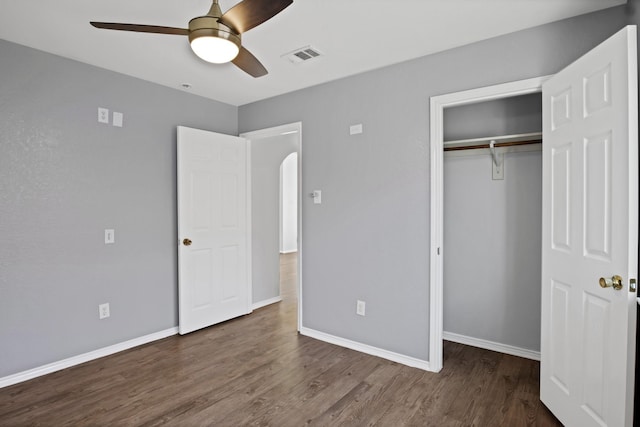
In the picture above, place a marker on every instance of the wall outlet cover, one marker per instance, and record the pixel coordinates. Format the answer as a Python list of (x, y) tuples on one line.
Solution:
[(103, 115), (355, 129), (104, 311)]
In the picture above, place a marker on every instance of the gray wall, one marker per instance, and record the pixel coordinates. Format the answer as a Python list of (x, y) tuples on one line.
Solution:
[(369, 239), (267, 155), (506, 116), (64, 178), (492, 241)]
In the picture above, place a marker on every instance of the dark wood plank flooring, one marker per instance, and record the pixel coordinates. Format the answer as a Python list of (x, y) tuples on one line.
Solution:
[(256, 370)]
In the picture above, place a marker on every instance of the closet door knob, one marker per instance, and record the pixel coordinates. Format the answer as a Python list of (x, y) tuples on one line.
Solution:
[(187, 242), (615, 282)]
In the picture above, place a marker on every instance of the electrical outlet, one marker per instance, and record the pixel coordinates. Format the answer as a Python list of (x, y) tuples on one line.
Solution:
[(360, 307), (103, 115), (103, 311)]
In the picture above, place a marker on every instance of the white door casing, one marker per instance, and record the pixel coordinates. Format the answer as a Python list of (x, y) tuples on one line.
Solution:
[(590, 230), (290, 128), (214, 277), (438, 104)]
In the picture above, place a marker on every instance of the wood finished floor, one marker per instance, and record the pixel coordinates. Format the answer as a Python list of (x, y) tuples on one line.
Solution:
[(256, 370)]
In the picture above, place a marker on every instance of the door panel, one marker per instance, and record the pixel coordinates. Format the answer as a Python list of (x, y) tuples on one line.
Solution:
[(561, 197), (214, 277), (559, 355), (597, 196), (590, 231)]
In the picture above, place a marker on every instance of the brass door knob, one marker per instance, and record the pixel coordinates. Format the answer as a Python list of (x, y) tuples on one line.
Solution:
[(615, 282), (187, 242)]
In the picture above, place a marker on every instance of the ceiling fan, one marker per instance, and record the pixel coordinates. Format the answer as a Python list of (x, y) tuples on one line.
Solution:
[(216, 37)]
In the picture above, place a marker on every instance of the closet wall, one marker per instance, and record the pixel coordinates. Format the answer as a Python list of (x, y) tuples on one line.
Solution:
[(492, 228)]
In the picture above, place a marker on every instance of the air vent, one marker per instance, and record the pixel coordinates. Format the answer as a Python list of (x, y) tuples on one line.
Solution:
[(303, 54)]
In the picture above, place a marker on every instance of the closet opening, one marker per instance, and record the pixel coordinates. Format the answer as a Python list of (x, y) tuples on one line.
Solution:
[(485, 261), (492, 206)]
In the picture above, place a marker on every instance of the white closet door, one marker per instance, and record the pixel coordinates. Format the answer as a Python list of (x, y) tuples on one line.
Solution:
[(590, 231)]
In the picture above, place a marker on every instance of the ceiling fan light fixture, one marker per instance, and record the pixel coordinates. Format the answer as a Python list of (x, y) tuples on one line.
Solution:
[(212, 41), (214, 49), (216, 36)]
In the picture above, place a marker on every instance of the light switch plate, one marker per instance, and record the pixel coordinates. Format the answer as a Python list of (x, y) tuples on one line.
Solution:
[(317, 197), (117, 119), (109, 236), (355, 129), (360, 307)]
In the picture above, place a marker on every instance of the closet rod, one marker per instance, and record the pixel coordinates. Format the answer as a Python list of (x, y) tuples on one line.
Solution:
[(496, 145)]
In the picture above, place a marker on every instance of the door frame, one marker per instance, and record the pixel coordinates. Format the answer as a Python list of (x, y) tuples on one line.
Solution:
[(285, 129), (436, 124)]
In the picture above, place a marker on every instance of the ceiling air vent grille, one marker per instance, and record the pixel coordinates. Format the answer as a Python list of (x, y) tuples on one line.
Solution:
[(303, 54)]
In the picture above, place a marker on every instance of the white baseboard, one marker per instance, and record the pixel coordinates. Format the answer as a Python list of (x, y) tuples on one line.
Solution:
[(367, 349), (263, 303), (490, 345), (86, 357)]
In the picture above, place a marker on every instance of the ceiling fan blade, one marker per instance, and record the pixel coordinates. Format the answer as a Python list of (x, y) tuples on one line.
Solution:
[(249, 63), (251, 13), (141, 28)]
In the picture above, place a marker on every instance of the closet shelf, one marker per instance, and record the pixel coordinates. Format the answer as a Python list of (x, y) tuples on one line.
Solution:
[(498, 141)]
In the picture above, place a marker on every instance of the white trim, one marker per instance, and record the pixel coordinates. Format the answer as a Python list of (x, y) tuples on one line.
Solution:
[(289, 252), (249, 234), (367, 349), (491, 345), (85, 357), (266, 302), (436, 233), (437, 106), (300, 202), (275, 131)]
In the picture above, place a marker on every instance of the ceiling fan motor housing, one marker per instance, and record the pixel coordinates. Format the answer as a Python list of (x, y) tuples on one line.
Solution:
[(208, 26)]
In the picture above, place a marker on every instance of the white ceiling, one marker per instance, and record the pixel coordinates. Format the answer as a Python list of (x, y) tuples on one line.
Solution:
[(354, 36)]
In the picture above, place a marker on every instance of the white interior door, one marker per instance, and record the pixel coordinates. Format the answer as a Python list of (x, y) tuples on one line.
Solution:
[(213, 228), (590, 230)]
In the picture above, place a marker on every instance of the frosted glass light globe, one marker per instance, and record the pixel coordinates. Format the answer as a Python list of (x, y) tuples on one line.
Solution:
[(214, 49)]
